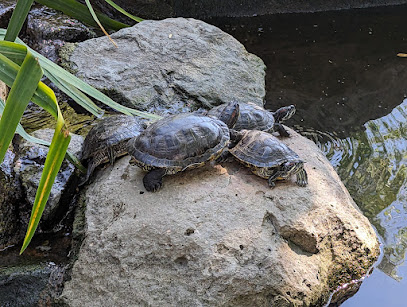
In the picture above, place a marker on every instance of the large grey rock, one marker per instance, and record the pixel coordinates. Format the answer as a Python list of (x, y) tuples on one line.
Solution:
[(219, 236), (160, 63)]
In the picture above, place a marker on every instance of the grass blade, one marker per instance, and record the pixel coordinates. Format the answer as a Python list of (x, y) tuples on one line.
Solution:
[(43, 96), (17, 19), (118, 8), (61, 74), (92, 12), (55, 156), (14, 52), (75, 94), (20, 95), (79, 11), (20, 130)]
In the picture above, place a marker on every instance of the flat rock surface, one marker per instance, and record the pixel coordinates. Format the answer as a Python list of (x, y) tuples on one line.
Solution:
[(161, 63), (219, 236)]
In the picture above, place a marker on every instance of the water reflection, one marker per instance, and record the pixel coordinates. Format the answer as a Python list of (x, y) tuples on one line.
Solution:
[(339, 68), (372, 164)]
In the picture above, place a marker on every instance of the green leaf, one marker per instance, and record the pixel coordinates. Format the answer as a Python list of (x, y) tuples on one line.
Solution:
[(79, 97), (20, 94), (53, 162), (79, 11), (61, 74), (20, 130), (17, 19), (14, 52), (43, 96), (118, 8), (92, 12)]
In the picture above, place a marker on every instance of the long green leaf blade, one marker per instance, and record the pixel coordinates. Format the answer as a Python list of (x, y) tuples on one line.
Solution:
[(60, 73), (75, 94), (79, 11), (17, 19), (14, 52), (55, 156), (20, 94), (20, 130), (118, 8), (43, 95), (92, 12)]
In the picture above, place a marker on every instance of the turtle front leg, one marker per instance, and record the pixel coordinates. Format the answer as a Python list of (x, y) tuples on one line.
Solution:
[(153, 180), (281, 130), (302, 178), (273, 177)]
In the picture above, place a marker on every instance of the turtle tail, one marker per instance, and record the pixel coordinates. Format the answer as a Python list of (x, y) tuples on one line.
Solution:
[(91, 168)]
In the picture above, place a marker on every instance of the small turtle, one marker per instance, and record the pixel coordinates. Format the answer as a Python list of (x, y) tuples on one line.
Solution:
[(254, 117), (267, 156), (180, 142), (108, 140)]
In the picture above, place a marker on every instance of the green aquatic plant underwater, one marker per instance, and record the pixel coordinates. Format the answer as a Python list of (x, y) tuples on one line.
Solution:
[(21, 69)]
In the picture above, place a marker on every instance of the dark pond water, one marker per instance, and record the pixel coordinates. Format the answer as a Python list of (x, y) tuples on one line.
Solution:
[(342, 71)]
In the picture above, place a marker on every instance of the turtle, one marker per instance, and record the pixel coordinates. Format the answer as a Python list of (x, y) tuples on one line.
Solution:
[(180, 142), (267, 156), (108, 140), (254, 117)]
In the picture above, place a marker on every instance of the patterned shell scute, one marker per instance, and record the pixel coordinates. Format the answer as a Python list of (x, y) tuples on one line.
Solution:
[(180, 141), (262, 149), (109, 132), (252, 117)]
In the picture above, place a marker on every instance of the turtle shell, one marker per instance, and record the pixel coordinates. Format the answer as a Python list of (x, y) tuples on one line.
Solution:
[(110, 134), (262, 150), (178, 142), (252, 117)]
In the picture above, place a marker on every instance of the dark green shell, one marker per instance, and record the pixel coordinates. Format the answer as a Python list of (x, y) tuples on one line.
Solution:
[(262, 150), (252, 117), (178, 142), (108, 140)]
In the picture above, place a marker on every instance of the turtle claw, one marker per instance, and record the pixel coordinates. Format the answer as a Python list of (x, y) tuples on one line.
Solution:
[(153, 180), (302, 178), (153, 186)]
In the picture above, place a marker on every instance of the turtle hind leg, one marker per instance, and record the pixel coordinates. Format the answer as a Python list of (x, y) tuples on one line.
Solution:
[(153, 180), (302, 178), (281, 130)]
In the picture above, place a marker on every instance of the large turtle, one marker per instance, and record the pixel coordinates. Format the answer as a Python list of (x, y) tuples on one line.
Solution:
[(254, 117), (108, 140), (267, 156), (180, 142)]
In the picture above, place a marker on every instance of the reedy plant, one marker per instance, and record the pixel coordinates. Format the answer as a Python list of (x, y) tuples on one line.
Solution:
[(21, 68)]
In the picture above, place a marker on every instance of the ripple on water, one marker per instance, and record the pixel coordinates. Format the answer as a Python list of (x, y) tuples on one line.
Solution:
[(372, 164)]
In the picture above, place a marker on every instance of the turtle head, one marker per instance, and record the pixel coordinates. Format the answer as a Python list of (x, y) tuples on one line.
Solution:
[(284, 113), (230, 114), (291, 168)]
